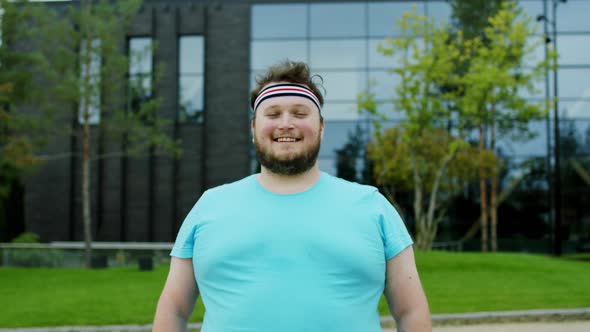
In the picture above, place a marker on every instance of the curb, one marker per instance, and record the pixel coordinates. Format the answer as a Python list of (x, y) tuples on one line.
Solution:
[(437, 319), (544, 315)]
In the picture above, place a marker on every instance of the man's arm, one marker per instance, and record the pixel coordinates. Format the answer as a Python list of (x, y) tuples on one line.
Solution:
[(178, 297), (404, 294)]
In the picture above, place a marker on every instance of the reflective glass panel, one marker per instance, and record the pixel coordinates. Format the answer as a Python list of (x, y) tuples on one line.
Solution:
[(379, 61), (384, 16), (327, 165), (340, 111), (535, 146), (441, 12), (575, 109), (267, 53), (338, 20), (537, 54), (572, 16), (191, 78), (538, 89), (390, 111), (338, 54), (191, 98), (574, 82), (575, 137), (574, 49), (343, 86), (383, 84), (140, 54), (335, 136), (191, 50), (534, 8), (279, 21)]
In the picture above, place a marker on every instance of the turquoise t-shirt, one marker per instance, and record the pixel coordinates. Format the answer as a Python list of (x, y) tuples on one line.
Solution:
[(312, 261)]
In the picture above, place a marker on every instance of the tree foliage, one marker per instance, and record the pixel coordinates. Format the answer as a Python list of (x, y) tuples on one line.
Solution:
[(452, 83), (71, 75)]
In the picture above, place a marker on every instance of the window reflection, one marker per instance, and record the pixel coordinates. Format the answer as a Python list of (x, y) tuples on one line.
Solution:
[(575, 138), (337, 132), (575, 109), (328, 165), (279, 21), (534, 8), (340, 111), (538, 53), (390, 111), (572, 16), (574, 82), (441, 12), (191, 97), (535, 146), (537, 91), (383, 84), (343, 86), (191, 79), (140, 72), (266, 53), (378, 60), (338, 20), (383, 16), (140, 53), (338, 54), (574, 49)]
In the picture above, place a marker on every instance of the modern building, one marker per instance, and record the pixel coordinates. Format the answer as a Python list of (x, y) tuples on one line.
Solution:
[(214, 49)]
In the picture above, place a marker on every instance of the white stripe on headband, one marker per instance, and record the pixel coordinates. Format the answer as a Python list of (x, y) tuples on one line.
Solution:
[(280, 90)]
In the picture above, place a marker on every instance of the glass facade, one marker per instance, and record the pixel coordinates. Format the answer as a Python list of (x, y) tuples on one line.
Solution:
[(140, 71), (191, 75), (339, 41)]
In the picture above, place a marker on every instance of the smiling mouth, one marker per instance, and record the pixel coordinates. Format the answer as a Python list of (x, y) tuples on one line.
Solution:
[(287, 139)]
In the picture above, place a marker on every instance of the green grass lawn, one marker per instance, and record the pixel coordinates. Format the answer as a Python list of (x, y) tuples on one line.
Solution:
[(454, 282)]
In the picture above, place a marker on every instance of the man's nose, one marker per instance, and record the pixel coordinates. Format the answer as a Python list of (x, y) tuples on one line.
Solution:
[(286, 121)]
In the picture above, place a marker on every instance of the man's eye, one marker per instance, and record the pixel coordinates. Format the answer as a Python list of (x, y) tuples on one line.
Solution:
[(300, 114), (272, 115)]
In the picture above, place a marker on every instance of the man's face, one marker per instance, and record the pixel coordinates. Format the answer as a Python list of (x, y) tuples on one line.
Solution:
[(287, 134)]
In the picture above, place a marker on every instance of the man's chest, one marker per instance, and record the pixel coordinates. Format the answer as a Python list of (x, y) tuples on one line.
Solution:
[(271, 243)]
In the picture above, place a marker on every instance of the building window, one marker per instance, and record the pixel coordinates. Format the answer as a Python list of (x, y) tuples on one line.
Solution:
[(140, 72), (90, 63), (191, 72)]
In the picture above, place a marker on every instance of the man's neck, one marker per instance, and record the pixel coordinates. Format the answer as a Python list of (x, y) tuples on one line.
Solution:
[(288, 184)]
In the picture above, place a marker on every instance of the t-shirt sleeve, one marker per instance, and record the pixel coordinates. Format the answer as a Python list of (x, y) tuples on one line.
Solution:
[(395, 234), (185, 240)]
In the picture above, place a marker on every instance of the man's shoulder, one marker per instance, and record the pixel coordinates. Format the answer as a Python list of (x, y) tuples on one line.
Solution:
[(349, 187), (231, 187)]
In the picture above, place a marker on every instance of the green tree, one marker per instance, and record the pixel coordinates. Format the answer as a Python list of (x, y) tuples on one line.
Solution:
[(80, 63), (434, 165), (472, 16), (422, 153), (500, 69)]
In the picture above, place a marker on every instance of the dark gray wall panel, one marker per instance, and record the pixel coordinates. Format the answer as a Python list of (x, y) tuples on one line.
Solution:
[(226, 92)]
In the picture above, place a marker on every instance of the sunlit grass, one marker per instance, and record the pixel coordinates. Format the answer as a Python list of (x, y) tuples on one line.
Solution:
[(454, 282)]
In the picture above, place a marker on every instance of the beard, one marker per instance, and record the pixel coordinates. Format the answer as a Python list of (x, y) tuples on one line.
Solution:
[(292, 165)]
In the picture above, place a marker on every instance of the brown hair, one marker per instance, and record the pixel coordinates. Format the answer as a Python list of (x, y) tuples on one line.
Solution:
[(288, 71)]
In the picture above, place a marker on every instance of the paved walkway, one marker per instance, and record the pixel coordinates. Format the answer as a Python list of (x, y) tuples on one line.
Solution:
[(558, 320), (516, 327)]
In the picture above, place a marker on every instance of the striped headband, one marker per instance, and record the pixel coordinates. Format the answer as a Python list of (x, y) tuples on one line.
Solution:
[(281, 90)]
